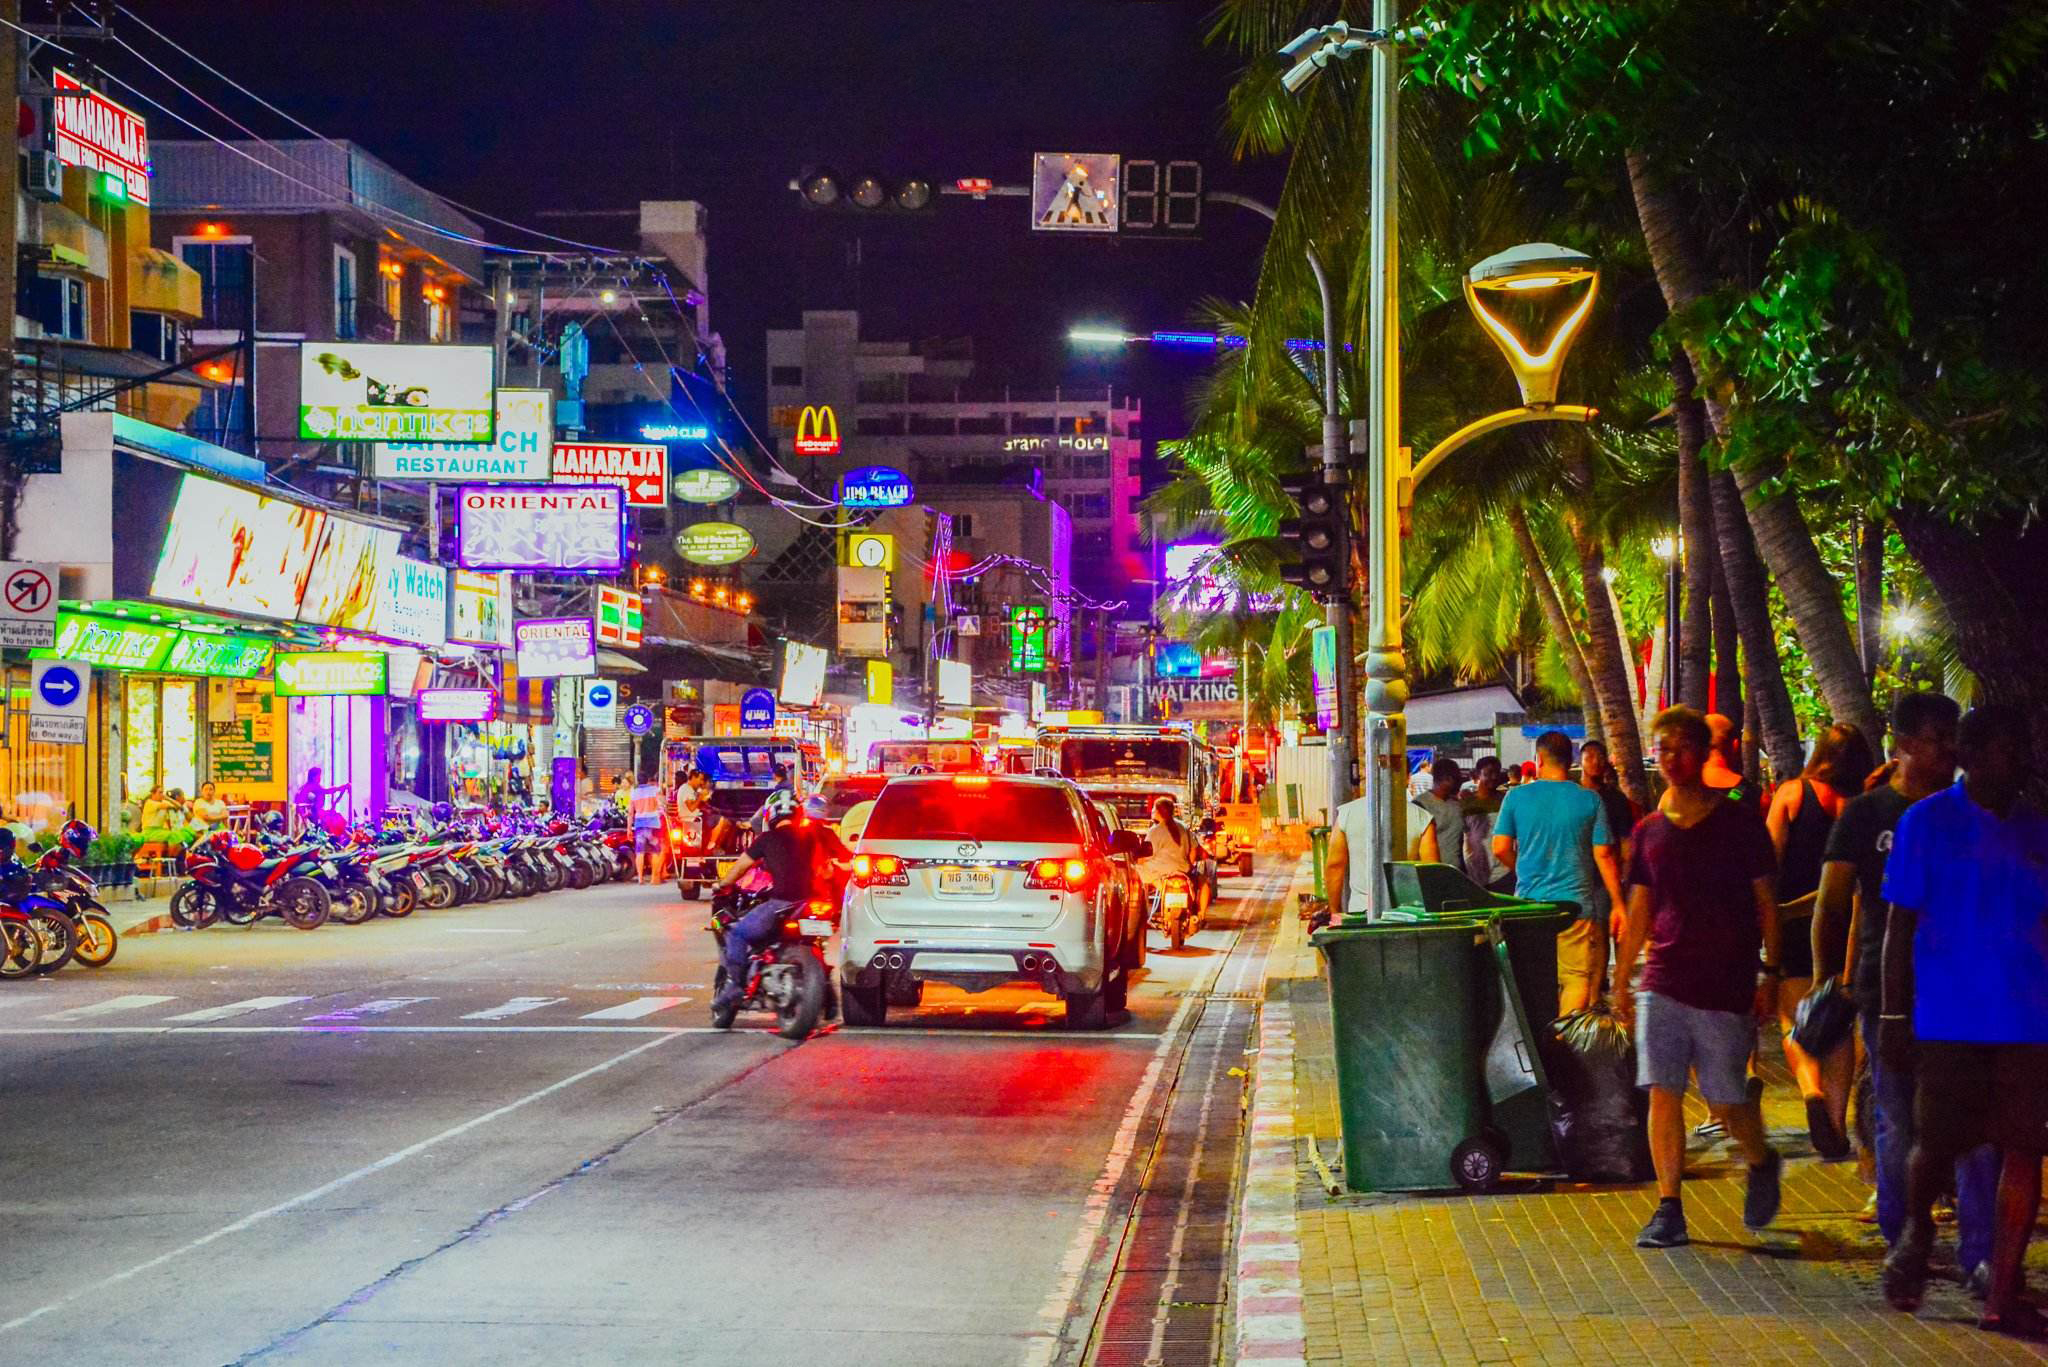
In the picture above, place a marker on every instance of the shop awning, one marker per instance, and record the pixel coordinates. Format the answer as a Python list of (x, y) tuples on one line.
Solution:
[(612, 662)]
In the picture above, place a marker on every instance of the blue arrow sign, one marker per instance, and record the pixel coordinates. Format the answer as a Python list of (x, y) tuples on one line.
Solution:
[(59, 685), (600, 695)]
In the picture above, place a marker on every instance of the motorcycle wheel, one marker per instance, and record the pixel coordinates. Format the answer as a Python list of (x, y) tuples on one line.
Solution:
[(59, 936), (489, 887), (721, 1015), (304, 904), (355, 905), (1177, 929), (405, 896), (21, 949), (439, 892), (194, 906), (234, 910), (96, 941), (798, 1013), (553, 875), (622, 867), (515, 881), (579, 875)]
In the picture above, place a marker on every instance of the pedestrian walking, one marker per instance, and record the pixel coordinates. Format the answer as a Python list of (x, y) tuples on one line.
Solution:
[(1724, 764), (1438, 820), (1802, 814), (1923, 728), (1702, 897), (1596, 772), (1965, 1001), (1481, 806), (1553, 836)]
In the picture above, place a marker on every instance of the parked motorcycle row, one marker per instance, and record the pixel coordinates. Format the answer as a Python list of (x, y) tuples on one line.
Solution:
[(51, 915), (352, 873)]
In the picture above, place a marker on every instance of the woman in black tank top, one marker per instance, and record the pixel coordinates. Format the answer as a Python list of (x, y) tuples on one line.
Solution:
[(1802, 814)]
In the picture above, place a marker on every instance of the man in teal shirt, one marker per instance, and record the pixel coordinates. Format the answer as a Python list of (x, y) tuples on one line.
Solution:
[(1554, 835)]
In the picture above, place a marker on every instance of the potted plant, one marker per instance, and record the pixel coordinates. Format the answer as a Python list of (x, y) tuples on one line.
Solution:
[(110, 859)]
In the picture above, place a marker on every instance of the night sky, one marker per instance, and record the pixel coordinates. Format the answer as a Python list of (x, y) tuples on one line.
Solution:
[(521, 107)]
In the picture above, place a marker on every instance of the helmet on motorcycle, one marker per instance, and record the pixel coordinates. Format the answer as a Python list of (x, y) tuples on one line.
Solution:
[(444, 811), (780, 807), (220, 842), (76, 837), (816, 808), (273, 822)]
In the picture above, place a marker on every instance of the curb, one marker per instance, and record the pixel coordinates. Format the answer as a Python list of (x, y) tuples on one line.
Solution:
[(155, 924), (1268, 1289)]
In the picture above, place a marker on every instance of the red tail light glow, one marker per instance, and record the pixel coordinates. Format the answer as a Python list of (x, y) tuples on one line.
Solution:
[(886, 870), (1074, 875), (970, 780)]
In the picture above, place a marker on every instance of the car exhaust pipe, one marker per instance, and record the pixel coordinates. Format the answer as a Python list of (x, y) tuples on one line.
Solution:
[(1029, 963), (895, 961)]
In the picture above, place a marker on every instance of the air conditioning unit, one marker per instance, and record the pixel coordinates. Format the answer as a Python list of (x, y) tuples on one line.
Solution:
[(45, 176)]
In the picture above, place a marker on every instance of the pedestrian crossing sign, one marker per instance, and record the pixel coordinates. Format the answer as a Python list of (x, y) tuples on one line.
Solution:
[(1076, 192)]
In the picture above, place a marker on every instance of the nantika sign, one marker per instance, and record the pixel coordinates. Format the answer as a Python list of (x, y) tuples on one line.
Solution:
[(874, 486)]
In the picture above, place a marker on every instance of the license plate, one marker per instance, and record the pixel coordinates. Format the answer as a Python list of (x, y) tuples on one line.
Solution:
[(967, 882), (811, 925)]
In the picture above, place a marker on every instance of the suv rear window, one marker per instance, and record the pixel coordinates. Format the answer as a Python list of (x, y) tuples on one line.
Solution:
[(1032, 812)]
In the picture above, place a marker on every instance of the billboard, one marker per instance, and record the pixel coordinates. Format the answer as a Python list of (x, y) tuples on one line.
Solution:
[(523, 447), (331, 673), (480, 608), (803, 674), (619, 617), (956, 683), (1075, 192), (817, 431), (236, 550), (348, 575), (92, 131), (874, 486), (640, 468), (541, 527), (1322, 668), (714, 543), (555, 647), (380, 391), (1197, 580), (1030, 625), (705, 486), (414, 604), (456, 704), (218, 655)]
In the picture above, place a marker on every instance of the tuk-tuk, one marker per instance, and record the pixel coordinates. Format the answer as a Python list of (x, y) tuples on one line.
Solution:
[(742, 774)]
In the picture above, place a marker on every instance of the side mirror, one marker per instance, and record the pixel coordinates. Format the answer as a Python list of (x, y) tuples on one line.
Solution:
[(1127, 845)]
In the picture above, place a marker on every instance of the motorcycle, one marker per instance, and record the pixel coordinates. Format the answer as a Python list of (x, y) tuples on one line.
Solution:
[(1171, 908), (240, 884), (787, 975), (21, 949), (95, 941)]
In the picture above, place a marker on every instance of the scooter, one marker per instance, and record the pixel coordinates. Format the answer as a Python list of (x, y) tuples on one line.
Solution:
[(1170, 907)]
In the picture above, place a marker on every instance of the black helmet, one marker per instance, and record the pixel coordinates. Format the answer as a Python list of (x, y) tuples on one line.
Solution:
[(77, 837), (274, 822)]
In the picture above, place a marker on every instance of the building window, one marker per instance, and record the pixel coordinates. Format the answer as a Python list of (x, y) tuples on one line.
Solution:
[(218, 418), (440, 314), (344, 293), (60, 307), (393, 276), (787, 375), (226, 279), (963, 524), (153, 335), (1088, 506)]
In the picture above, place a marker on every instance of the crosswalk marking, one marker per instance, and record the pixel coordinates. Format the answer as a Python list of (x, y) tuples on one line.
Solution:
[(382, 1006), (240, 1008), (634, 1009), (132, 1002), (518, 1006)]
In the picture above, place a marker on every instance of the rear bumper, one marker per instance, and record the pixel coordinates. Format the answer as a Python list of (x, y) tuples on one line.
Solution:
[(977, 967)]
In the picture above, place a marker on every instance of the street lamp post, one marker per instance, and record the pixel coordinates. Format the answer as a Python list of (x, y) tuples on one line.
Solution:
[(1537, 267)]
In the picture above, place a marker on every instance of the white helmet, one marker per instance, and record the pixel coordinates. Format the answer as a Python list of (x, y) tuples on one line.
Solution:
[(780, 807)]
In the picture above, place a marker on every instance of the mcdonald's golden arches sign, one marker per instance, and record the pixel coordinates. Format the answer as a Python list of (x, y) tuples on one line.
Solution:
[(817, 431)]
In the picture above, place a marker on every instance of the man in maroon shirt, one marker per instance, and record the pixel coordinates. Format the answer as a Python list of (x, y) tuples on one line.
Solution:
[(1702, 893)]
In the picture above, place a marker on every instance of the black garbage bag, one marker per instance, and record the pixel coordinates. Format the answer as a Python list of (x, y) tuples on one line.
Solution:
[(1602, 1130), (1826, 1015)]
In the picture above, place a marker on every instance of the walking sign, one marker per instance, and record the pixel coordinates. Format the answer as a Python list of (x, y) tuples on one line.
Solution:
[(28, 605), (57, 695), (1075, 192)]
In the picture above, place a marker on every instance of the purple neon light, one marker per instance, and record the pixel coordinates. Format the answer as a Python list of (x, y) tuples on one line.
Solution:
[(425, 700), (511, 538)]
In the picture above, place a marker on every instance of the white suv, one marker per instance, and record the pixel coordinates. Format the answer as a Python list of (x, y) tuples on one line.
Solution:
[(984, 879)]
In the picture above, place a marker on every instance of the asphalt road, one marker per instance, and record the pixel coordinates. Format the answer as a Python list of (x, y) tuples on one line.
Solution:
[(506, 1134)]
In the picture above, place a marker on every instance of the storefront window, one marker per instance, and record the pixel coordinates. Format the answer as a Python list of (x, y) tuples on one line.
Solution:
[(162, 718), (180, 730), (138, 771)]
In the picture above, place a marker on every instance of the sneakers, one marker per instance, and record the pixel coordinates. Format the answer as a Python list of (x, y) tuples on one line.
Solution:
[(1710, 1128), (1666, 1228), (1868, 1215), (1828, 1141), (1760, 1198), (1978, 1283)]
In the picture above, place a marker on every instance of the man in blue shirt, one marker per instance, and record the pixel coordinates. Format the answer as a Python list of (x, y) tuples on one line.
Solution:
[(1554, 836), (1966, 991)]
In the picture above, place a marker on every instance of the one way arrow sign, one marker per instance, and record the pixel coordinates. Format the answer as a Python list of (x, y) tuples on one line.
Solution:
[(57, 696)]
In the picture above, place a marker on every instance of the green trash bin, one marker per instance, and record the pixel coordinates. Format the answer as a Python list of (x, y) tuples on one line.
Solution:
[(1319, 855), (1408, 1017)]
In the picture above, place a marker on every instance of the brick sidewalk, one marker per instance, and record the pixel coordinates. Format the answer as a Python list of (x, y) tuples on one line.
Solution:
[(1547, 1272)]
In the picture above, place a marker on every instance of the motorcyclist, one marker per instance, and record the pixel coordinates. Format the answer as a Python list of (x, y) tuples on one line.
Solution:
[(790, 859), (1171, 848)]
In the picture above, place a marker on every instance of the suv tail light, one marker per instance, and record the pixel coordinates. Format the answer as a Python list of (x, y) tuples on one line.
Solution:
[(879, 870), (1073, 875)]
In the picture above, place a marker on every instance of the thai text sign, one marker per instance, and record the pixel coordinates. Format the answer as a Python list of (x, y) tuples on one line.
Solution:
[(640, 468), (541, 527), (326, 673), (94, 132), (456, 704), (378, 391)]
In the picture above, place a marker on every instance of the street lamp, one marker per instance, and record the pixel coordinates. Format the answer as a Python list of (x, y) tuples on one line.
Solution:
[(1531, 272)]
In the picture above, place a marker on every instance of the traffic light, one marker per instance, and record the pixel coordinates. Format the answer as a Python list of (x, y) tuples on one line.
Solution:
[(1317, 534), (823, 188)]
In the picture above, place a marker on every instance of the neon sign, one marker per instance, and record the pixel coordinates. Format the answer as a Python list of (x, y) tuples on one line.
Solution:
[(874, 486), (817, 431)]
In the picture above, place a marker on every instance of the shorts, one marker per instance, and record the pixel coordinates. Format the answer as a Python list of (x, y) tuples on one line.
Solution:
[(1795, 947), (1969, 1094), (1673, 1039), (1582, 953), (646, 839)]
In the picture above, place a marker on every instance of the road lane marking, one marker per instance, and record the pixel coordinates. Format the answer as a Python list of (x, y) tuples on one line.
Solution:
[(240, 1008), (634, 1009), (382, 1006), (485, 930), (389, 1160), (135, 1001), (518, 1006)]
